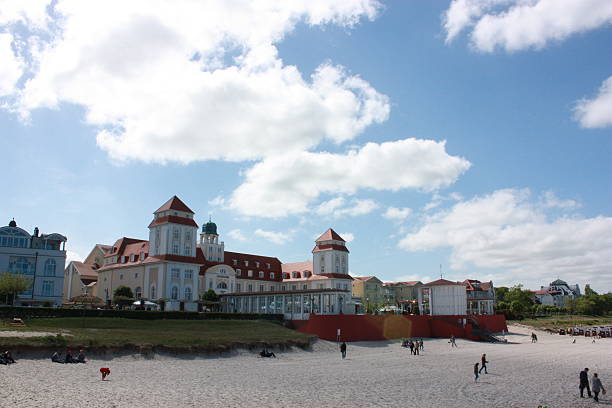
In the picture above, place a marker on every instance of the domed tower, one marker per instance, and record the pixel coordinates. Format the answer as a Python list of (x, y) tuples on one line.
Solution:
[(212, 249)]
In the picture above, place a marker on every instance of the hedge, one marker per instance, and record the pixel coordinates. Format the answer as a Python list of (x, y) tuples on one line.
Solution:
[(34, 312)]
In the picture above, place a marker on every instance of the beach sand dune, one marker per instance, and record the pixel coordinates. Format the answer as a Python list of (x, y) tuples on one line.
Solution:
[(375, 374)]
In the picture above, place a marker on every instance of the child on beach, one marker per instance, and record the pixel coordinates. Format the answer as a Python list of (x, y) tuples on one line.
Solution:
[(105, 371)]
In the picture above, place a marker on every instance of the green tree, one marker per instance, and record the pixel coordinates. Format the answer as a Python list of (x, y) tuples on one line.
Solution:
[(124, 291), (12, 284), (588, 291), (210, 296), (517, 294), (500, 293)]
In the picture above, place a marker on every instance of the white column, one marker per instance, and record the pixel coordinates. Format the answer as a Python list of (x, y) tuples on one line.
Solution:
[(145, 292)]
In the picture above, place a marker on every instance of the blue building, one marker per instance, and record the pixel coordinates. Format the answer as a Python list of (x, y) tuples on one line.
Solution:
[(41, 257)]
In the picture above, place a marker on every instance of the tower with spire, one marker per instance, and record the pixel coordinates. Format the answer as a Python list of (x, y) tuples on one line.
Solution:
[(330, 254), (212, 249)]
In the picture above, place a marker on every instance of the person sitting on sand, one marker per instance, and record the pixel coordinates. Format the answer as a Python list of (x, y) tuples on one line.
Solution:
[(56, 358), (266, 353), (6, 356), (69, 359), (81, 357)]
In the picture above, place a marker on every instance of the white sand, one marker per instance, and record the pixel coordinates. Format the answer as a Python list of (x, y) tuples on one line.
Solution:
[(375, 374), (15, 333)]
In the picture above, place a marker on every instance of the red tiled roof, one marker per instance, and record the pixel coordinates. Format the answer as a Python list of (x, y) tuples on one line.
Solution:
[(297, 267), (329, 247), (441, 282), (319, 277), (275, 265), (364, 278), (174, 203), (330, 235), (173, 219), (86, 271), (120, 245), (413, 283)]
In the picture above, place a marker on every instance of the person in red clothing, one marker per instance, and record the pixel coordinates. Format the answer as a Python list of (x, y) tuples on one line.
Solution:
[(105, 372)]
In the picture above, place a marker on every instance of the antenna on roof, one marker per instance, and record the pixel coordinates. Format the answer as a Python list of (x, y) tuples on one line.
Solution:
[(440, 271)]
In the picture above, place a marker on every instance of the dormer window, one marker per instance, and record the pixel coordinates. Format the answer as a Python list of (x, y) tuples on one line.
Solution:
[(235, 261), (271, 275), (246, 263), (250, 273), (133, 258), (238, 271), (261, 274), (142, 256), (257, 264), (124, 259), (268, 265)]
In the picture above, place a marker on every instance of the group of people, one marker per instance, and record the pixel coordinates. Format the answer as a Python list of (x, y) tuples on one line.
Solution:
[(265, 353), (414, 346), (6, 358), (69, 359), (483, 366), (596, 385)]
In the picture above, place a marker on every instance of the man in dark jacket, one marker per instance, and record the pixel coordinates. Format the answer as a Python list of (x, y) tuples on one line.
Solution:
[(584, 383), (343, 350)]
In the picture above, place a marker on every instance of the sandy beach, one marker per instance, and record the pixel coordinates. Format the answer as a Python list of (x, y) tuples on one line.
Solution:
[(375, 374)]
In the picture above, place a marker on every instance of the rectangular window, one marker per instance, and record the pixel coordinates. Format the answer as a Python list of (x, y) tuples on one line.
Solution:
[(305, 287), (257, 264), (238, 271), (246, 263), (187, 236), (261, 275), (48, 288), (175, 273), (235, 261), (250, 288), (293, 287), (238, 287), (250, 273), (268, 265), (261, 288), (271, 275), (283, 287), (175, 249), (189, 274), (187, 250)]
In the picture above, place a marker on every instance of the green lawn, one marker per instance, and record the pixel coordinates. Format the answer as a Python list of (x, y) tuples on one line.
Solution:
[(169, 334), (564, 321)]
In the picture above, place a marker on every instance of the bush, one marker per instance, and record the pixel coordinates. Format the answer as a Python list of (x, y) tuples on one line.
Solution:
[(34, 312)]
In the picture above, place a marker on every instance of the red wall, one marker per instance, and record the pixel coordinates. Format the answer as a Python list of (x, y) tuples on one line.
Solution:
[(383, 327)]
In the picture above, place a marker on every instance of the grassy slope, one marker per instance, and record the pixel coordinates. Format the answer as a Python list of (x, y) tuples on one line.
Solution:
[(556, 322), (172, 334)]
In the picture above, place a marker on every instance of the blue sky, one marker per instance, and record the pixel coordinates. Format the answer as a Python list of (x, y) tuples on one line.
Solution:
[(430, 133)]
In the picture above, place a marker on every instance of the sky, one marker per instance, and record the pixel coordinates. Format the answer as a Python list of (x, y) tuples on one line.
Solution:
[(464, 138)]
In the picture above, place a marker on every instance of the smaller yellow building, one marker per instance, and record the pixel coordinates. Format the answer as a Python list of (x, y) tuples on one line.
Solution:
[(370, 290)]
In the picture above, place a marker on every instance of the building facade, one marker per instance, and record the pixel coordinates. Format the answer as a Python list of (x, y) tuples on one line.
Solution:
[(369, 289), (480, 297), (40, 257), (81, 278), (443, 297), (557, 293)]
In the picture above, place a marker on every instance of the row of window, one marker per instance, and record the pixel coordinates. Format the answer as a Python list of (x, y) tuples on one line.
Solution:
[(26, 266), (176, 274), (261, 274), (246, 263)]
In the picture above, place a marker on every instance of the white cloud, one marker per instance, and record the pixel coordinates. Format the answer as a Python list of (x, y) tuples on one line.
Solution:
[(288, 184), (237, 235), (187, 81), (596, 112), (398, 214), (272, 236), (11, 67), (73, 256), (338, 207), (507, 232), (437, 199), (522, 24), (217, 201), (347, 236), (550, 200), (29, 12)]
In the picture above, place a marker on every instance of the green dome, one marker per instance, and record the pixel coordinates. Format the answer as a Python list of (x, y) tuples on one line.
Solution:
[(209, 228)]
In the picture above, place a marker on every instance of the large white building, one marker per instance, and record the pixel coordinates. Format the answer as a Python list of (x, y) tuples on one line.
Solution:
[(40, 257), (443, 297), (557, 293), (175, 269)]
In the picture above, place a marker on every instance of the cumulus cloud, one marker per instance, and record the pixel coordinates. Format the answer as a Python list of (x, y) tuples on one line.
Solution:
[(288, 184), (509, 232), (522, 24), (347, 236), (397, 214), (237, 235), (11, 67), (596, 112), (188, 80), (338, 207), (278, 238)]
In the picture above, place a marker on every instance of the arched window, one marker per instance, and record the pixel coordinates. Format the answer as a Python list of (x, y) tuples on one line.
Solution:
[(49, 267), (221, 285), (174, 293), (153, 292), (187, 293), (138, 292), (21, 265)]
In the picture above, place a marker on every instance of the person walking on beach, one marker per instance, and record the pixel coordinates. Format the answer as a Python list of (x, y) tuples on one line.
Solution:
[(476, 372), (421, 345), (416, 347), (597, 387), (343, 350), (484, 363), (584, 383), (452, 341), (534, 337), (411, 345)]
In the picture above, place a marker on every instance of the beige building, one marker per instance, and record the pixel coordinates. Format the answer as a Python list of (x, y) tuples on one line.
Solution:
[(369, 289), (80, 278)]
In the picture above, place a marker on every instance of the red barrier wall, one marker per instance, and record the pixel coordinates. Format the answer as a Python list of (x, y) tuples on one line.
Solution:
[(383, 327)]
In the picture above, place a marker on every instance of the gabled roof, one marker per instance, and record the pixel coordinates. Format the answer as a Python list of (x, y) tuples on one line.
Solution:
[(297, 267), (174, 203), (86, 271), (442, 282), (366, 278), (330, 235)]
